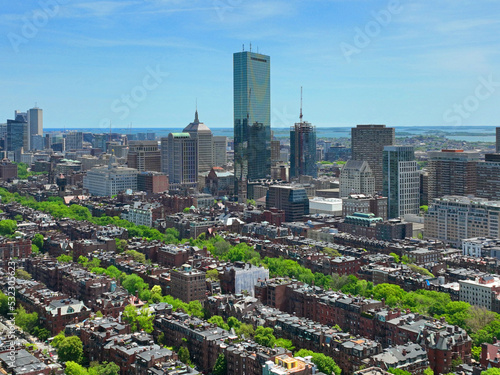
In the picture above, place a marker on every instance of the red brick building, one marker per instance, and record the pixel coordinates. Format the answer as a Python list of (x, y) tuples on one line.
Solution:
[(14, 248)]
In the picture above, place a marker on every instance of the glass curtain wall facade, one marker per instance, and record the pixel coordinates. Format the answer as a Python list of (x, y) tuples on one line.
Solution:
[(252, 117), (401, 181), (303, 150)]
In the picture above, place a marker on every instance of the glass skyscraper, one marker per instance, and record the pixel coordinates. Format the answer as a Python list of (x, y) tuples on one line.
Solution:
[(252, 118), (303, 150), (401, 181)]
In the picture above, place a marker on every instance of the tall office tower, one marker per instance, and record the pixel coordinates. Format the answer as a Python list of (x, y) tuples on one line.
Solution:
[(367, 143), (74, 141), (252, 119), (35, 121), (3, 131), (356, 177), (451, 172), (203, 135), (275, 152), (180, 160), (401, 181), (220, 151), (144, 156), (497, 140), (488, 177), (303, 148), (18, 134)]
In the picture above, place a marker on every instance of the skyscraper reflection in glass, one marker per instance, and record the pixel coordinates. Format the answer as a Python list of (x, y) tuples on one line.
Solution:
[(252, 117)]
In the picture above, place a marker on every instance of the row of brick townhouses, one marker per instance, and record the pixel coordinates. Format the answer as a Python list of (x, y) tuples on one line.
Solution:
[(370, 319), (97, 292)]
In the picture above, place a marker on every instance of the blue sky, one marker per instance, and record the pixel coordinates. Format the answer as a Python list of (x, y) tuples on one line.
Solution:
[(398, 62)]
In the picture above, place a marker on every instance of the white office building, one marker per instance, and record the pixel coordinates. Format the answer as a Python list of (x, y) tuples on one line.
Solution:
[(110, 180), (479, 292)]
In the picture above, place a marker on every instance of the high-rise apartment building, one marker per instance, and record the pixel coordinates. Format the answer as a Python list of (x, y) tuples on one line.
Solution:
[(179, 159), (74, 141), (252, 118), (203, 135), (454, 218), (451, 172), (356, 177), (401, 184), (144, 156), (303, 150), (488, 177), (367, 143), (220, 151)]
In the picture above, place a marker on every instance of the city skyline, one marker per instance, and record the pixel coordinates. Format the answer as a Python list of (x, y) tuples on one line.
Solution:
[(395, 63)]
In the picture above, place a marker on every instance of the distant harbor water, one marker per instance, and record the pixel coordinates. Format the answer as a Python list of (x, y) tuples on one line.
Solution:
[(466, 134)]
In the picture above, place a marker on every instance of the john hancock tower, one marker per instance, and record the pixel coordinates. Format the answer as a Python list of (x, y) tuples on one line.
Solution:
[(252, 119)]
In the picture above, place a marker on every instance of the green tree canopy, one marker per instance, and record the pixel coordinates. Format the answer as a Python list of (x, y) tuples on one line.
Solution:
[(264, 336), (219, 321), (38, 240), (331, 252), (390, 292), (325, 364), (73, 368), (212, 275), (184, 355), (22, 274), (395, 256), (63, 258), (26, 321), (70, 349), (220, 367), (491, 371), (134, 283), (398, 371), (8, 227)]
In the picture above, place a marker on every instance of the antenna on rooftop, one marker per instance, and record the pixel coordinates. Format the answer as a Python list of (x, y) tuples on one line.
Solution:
[(243, 47), (250, 46)]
